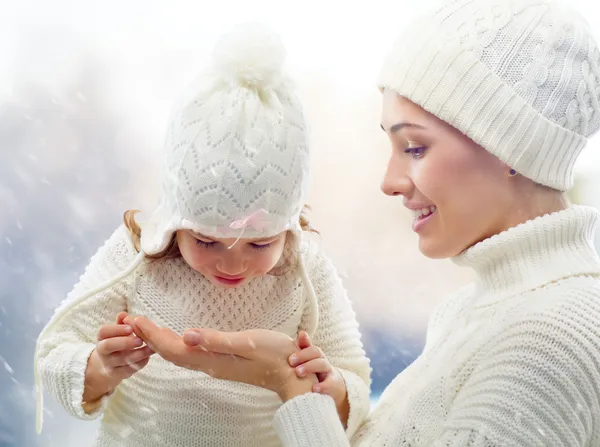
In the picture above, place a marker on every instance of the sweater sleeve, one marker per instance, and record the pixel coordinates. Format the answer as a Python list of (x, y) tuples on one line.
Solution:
[(536, 385), (310, 420), (62, 354), (339, 338)]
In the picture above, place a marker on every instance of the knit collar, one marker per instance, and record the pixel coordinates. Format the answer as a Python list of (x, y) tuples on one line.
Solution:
[(546, 249)]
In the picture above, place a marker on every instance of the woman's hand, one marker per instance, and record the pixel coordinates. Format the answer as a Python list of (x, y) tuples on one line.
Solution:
[(256, 357), (311, 360)]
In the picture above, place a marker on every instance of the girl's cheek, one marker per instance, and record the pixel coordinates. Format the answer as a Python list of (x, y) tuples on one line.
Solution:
[(264, 262)]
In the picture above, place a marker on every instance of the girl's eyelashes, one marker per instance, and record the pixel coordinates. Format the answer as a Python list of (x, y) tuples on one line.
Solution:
[(209, 244), (204, 244), (261, 246)]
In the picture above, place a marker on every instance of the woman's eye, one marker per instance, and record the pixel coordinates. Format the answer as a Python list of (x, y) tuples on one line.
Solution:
[(204, 244), (415, 152)]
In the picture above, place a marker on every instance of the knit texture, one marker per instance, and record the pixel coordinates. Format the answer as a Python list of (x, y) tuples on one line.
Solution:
[(511, 360), (163, 404), (519, 77), (236, 159)]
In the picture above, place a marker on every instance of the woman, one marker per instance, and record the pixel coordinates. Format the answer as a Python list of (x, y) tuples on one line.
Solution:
[(487, 105)]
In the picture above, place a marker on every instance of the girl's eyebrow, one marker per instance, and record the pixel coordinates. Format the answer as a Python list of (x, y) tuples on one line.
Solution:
[(201, 236), (264, 239)]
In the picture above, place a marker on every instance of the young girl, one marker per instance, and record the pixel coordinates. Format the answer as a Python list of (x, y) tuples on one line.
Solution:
[(223, 250)]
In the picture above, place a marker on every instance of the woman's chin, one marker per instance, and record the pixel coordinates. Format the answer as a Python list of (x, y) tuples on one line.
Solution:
[(438, 248)]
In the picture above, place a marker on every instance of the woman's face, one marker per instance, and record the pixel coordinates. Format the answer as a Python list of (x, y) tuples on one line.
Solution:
[(230, 267), (460, 194)]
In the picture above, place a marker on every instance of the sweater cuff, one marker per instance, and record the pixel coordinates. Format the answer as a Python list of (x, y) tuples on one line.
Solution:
[(310, 420), (358, 399), (76, 367)]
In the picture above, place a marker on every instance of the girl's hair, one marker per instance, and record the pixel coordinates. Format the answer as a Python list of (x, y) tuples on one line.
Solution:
[(289, 258)]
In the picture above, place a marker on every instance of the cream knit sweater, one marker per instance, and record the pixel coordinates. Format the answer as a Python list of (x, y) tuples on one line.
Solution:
[(163, 405), (511, 360)]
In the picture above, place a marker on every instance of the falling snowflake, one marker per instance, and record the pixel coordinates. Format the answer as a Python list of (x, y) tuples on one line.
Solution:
[(6, 366), (542, 432)]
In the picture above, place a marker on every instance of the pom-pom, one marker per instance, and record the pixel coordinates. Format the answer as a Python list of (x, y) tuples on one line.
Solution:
[(252, 55)]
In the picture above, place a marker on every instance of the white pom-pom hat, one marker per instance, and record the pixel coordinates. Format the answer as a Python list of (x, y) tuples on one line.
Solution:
[(236, 153)]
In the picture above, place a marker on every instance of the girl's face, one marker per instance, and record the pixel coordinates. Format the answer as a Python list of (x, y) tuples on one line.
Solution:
[(460, 194), (230, 267)]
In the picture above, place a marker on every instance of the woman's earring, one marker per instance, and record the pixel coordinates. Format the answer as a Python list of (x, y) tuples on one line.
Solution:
[(512, 172)]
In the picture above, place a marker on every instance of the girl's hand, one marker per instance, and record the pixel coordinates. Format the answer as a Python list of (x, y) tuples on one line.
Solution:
[(311, 360), (118, 355), (256, 357)]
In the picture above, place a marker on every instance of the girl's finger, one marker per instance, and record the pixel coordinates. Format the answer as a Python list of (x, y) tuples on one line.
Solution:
[(316, 366), (325, 387), (303, 340), (114, 330), (115, 344), (305, 355), (121, 317), (127, 371), (133, 356)]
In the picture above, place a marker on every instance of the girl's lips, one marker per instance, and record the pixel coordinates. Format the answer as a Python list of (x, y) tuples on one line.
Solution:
[(229, 281)]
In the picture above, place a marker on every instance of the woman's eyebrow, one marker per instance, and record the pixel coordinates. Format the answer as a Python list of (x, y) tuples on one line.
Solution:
[(399, 126)]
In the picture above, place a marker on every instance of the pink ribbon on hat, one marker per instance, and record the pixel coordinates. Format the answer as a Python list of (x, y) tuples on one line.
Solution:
[(257, 220)]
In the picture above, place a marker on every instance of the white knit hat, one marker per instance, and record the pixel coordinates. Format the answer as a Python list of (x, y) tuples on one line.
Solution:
[(519, 77), (236, 154)]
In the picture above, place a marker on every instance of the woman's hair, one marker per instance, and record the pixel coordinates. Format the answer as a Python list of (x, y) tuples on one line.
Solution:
[(289, 257)]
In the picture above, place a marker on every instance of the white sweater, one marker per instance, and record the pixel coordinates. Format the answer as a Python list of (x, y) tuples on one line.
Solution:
[(164, 405), (511, 360)]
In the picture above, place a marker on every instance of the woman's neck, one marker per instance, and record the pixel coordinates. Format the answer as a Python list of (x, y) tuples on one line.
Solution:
[(535, 202), (529, 202)]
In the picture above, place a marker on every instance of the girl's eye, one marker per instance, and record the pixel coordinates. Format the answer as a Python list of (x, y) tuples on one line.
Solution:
[(204, 244), (260, 246), (415, 152)]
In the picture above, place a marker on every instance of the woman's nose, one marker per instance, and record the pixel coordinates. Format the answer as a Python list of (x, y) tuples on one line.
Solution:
[(396, 182)]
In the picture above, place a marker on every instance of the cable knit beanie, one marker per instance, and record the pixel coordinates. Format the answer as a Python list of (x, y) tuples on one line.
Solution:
[(236, 154), (519, 77)]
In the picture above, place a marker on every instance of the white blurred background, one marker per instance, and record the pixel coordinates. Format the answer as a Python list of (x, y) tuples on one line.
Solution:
[(85, 90)]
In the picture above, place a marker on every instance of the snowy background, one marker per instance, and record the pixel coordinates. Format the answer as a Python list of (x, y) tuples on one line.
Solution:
[(85, 89)]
